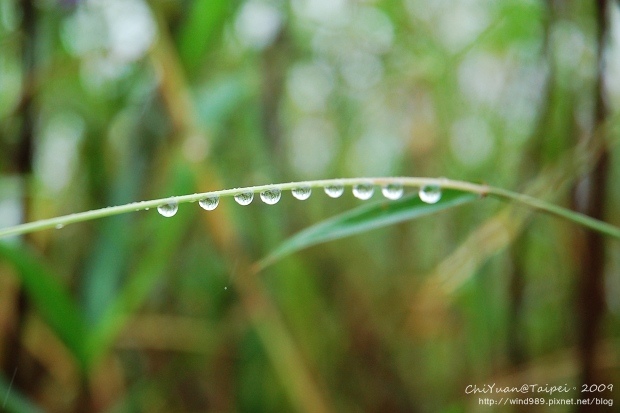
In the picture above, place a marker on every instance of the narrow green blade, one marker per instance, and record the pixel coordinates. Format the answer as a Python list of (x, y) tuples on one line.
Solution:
[(154, 262), (51, 300), (365, 218), (204, 20)]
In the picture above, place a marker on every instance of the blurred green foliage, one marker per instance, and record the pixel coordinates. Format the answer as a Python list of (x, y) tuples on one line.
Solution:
[(109, 102)]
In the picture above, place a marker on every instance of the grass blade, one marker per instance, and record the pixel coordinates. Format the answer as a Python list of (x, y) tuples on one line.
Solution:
[(52, 301), (154, 262), (446, 184), (204, 19), (366, 218)]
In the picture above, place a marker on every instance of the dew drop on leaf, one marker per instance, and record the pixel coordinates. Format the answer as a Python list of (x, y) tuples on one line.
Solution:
[(59, 226), (209, 203), (271, 196), (392, 191), (430, 194), (363, 191), (334, 190), (244, 198), (302, 193), (169, 209)]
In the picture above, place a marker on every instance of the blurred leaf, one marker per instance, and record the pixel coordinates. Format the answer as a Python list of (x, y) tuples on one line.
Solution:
[(111, 250), (520, 21), (13, 401), (218, 100), (495, 234), (52, 301), (365, 218), (106, 266), (166, 239), (203, 20)]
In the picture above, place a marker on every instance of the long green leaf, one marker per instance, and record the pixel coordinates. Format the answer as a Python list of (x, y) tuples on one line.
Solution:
[(51, 300), (365, 218), (153, 264), (204, 19)]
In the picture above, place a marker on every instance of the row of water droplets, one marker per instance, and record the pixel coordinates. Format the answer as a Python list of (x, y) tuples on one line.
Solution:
[(429, 194)]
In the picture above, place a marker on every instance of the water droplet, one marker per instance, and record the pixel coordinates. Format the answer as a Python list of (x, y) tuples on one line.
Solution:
[(244, 198), (392, 191), (168, 210), (209, 203), (334, 190), (271, 196), (59, 226), (363, 191), (302, 193), (430, 194)]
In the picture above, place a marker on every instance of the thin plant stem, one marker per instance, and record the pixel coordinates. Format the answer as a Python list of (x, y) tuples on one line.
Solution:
[(481, 189)]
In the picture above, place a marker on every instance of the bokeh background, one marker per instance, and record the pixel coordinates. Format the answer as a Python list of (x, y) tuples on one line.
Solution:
[(105, 102)]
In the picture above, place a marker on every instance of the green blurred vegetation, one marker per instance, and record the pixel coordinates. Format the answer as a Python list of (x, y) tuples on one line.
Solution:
[(106, 102)]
